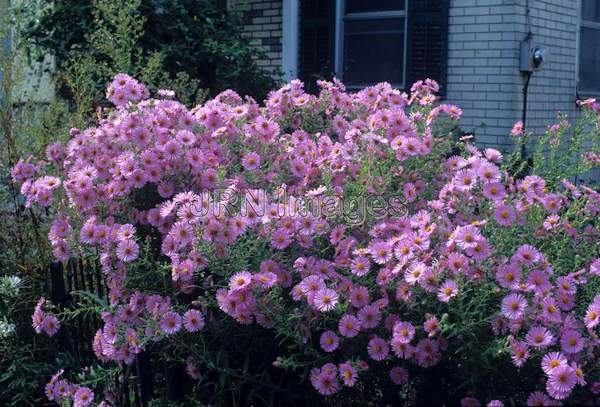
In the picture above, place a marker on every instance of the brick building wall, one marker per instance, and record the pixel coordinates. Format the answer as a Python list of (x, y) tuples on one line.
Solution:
[(483, 64), (555, 25), (483, 67), (263, 28)]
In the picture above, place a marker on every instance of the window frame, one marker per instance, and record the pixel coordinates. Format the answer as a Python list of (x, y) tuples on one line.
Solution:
[(583, 23), (341, 17)]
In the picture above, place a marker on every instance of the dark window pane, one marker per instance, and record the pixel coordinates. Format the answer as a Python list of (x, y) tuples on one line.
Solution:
[(591, 10), (373, 51), (589, 60), (363, 6), (315, 9)]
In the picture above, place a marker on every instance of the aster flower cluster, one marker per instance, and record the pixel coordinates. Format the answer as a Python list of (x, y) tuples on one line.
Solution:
[(60, 390), (43, 321), (229, 171), (124, 89)]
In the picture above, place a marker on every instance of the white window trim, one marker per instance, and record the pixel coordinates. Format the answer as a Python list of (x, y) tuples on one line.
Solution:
[(340, 6), (291, 33), (339, 36)]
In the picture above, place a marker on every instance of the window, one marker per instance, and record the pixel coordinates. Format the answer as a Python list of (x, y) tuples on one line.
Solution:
[(371, 42), (589, 47), (364, 42)]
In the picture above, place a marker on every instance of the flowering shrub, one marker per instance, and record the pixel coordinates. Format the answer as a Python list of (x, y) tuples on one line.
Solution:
[(390, 257)]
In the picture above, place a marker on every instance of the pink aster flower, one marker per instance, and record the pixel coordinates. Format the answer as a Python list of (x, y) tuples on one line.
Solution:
[(517, 129), (326, 385), (513, 306), (381, 252), (551, 222), (329, 370), (539, 398), (488, 172), (492, 154), (561, 382), (83, 397), (467, 236), (329, 341), (552, 360), (504, 215), (552, 203), (592, 316), (447, 290), (50, 325), (378, 349), (251, 161), (369, 316), (280, 239), (527, 255), (431, 325), (337, 234), (310, 285), (519, 352), (325, 299), (360, 266), (578, 374), (54, 151), (566, 300), (359, 296), (457, 263), (193, 370), (37, 318), (494, 191), (193, 320), (349, 326), (403, 292), (509, 275), (265, 279), (538, 281), (465, 180), (470, 402), (481, 251), (61, 390), (183, 233), (87, 233), (403, 332), (403, 350), (409, 191), (399, 375), (427, 352), (348, 374), (550, 310), (127, 250), (539, 337), (595, 267), (298, 168), (170, 323), (415, 273), (240, 281)]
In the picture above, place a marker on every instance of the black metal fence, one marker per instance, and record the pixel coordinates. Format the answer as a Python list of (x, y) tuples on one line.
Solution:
[(134, 383)]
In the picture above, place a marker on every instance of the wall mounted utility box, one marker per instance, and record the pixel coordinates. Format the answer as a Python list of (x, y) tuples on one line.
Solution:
[(532, 56)]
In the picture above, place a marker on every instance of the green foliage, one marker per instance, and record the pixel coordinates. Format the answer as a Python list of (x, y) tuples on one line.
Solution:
[(25, 128), (557, 154), (195, 38), (21, 375)]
